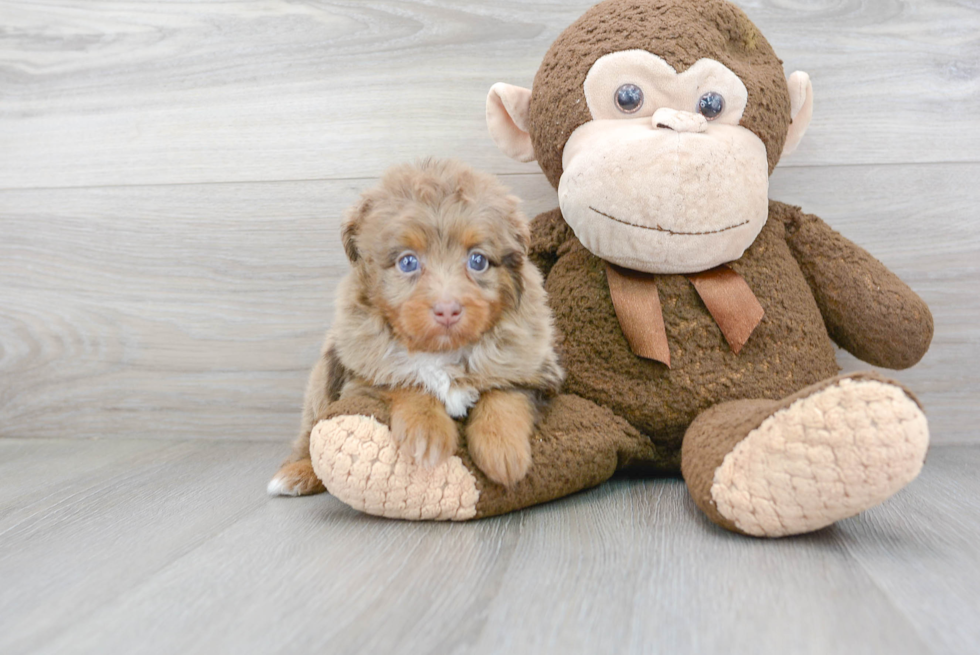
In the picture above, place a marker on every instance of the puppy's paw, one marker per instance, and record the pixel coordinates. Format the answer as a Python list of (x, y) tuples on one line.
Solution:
[(424, 430), (296, 479), (499, 436)]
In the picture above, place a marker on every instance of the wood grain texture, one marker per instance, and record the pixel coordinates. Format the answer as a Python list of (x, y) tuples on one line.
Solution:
[(35, 474), (123, 92), (182, 552), (195, 311), (68, 550), (921, 550)]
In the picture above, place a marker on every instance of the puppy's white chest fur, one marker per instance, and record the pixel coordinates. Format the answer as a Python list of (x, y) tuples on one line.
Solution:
[(438, 374)]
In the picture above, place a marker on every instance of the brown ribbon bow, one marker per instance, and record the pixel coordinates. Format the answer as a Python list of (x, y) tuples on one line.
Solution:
[(724, 292)]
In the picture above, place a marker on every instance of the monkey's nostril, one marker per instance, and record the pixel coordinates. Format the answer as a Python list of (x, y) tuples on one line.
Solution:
[(679, 121)]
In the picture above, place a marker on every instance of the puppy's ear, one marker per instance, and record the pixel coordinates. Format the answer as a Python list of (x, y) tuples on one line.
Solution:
[(523, 232), (520, 240), (349, 235), (352, 226), (520, 225)]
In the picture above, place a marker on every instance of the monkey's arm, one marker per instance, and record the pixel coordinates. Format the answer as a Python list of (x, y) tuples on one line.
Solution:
[(868, 311), (549, 232)]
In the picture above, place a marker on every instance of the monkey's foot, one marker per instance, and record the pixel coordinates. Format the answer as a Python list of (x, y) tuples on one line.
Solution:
[(795, 466), (577, 445), (360, 463)]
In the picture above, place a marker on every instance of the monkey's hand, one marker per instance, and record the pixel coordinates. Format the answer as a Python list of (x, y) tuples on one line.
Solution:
[(868, 311)]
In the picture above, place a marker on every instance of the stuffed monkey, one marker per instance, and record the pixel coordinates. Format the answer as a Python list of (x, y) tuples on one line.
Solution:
[(698, 316)]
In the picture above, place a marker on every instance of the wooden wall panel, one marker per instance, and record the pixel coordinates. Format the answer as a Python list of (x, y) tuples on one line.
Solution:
[(195, 310), (172, 177), (123, 92)]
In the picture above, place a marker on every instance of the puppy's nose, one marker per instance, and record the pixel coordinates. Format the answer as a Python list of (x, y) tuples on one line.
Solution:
[(447, 312)]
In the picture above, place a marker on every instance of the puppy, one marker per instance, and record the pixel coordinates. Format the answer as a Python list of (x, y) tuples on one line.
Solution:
[(443, 316)]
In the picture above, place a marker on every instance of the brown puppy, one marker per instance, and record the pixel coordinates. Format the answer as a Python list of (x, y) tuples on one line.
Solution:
[(441, 315)]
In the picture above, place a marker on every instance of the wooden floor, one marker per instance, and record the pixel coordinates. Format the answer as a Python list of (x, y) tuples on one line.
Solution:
[(172, 178), (152, 546)]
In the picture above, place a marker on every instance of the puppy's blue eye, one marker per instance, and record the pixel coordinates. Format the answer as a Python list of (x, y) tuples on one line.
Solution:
[(478, 262), (408, 264), (710, 105)]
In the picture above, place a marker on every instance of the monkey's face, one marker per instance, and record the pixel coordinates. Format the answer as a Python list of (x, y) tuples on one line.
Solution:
[(658, 170), (663, 179)]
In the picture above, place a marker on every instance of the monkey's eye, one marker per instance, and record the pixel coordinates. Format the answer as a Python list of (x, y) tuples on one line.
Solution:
[(710, 105), (477, 262), (629, 98), (408, 263)]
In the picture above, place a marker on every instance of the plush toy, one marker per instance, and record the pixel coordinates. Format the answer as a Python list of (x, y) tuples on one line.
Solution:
[(698, 316)]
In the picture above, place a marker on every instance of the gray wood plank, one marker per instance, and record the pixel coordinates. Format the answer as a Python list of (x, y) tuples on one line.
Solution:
[(195, 311), (113, 92), (308, 575), (921, 549), (37, 474), (636, 568), (105, 533), (181, 552), (629, 567)]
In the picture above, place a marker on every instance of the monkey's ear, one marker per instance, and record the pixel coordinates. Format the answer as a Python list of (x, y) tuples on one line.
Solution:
[(507, 114), (351, 226), (800, 109)]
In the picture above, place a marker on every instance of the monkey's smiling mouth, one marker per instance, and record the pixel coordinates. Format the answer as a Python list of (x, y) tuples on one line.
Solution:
[(657, 228)]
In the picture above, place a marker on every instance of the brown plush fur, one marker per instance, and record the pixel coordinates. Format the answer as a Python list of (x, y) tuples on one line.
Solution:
[(681, 32), (659, 401), (789, 350), (386, 342), (868, 311)]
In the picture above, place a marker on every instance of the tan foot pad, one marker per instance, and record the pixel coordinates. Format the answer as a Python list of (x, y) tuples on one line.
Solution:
[(826, 457), (360, 464)]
